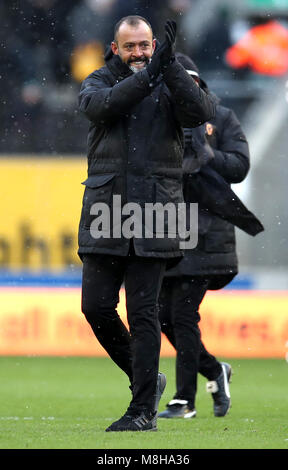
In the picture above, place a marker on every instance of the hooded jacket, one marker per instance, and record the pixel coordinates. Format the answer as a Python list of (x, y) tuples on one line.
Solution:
[(214, 169), (135, 151), (219, 208)]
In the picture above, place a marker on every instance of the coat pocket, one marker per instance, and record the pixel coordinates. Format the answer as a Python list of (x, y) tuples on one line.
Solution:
[(96, 181), (98, 189), (167, 193), (168, 190)]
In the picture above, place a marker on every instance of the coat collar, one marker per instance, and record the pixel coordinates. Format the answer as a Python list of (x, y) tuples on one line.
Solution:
[(116, 66)]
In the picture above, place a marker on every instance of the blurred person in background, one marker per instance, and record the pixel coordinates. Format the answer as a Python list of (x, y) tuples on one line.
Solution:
[(90, 25), (259, 45), (216, 155), (136, 104), (41, 38), (34, 59)]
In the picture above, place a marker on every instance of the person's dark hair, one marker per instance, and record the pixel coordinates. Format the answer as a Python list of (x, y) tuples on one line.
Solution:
[(131, 20)]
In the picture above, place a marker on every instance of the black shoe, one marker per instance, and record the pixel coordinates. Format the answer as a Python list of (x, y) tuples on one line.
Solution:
[(161, 384), (178, 409), (220, 391), (134, 421)]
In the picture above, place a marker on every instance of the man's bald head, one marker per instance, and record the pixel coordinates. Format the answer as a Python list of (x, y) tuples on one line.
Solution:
[(133, 21)]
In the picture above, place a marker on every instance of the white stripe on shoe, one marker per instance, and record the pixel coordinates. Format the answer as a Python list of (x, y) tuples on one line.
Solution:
[(190, 414), (226, 381)]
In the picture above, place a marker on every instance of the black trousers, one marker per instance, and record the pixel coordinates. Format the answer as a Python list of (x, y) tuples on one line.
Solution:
[(179, 302), (135, 351)]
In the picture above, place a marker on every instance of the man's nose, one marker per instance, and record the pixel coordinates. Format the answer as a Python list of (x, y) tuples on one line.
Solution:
[(137, 51)]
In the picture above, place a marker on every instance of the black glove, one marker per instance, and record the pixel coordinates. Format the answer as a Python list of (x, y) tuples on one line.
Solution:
[(201, 146), (154, 66), (169, 45), (197, 150), (164, 55)]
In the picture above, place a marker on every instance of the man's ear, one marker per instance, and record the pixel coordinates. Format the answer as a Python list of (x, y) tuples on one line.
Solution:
[(114, 48), (153, 44)]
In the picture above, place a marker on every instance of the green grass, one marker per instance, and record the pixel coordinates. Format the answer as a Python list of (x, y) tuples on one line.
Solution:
[(66, 403)]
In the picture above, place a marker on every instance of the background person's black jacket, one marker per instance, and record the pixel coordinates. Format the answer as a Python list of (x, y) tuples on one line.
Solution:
[(215, 255), (135, 146)]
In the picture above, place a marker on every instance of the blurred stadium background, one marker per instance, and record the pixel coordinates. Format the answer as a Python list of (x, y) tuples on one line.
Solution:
[(47, 47)]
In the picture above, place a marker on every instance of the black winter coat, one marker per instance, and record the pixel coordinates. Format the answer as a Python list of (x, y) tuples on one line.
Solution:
[(135, 148), (215, 255)]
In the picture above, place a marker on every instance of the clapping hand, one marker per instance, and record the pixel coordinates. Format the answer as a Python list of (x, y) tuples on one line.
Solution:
[(164, 55)]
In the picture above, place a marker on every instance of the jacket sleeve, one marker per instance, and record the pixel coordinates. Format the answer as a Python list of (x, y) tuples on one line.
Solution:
[(231, 158), (103, 103), (193, 106)]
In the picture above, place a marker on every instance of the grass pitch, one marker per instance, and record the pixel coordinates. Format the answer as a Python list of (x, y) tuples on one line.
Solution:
[(67, 403)]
